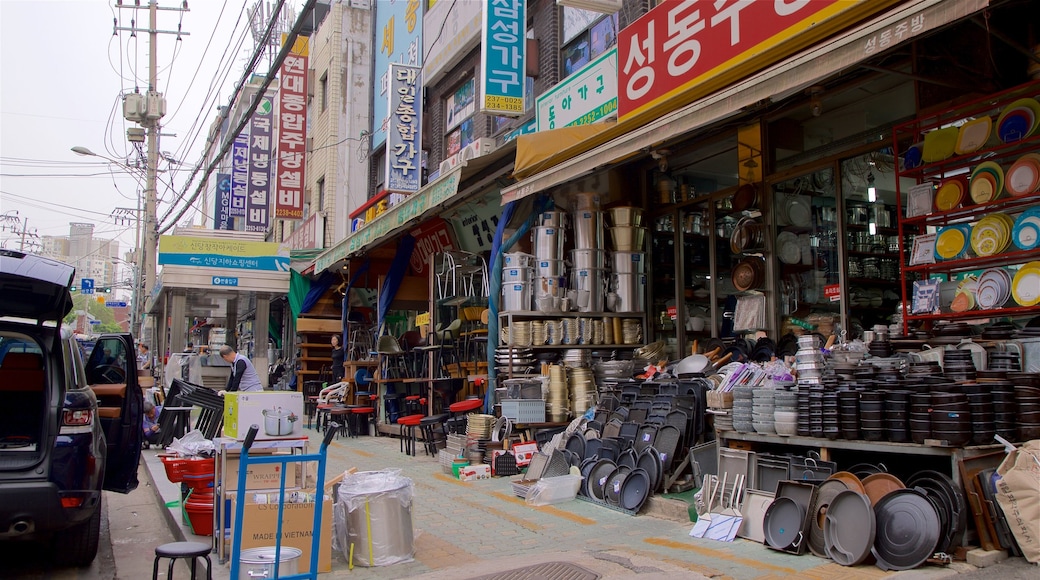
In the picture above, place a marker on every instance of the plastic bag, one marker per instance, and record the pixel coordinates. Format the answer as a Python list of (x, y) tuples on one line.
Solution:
[(194, 443), (373, 518)]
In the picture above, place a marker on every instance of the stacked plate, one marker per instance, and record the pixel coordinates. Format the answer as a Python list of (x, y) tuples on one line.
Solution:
[(1005, 409), (952, 242), (517, 360), (920, 417), (583, 390), (743, 405), (992, 234), (973, 135), (951, 193), (787, 248), (1026, 231), (804, 406), (478, 426), (848, 413), (994, 288), (1018, 120), (559, 396), (1023, 177), (786, 413), (958, 366), (986, 182), (1026, 285)]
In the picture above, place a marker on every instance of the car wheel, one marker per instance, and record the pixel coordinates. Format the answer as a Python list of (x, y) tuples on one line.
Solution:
[(78, 545)]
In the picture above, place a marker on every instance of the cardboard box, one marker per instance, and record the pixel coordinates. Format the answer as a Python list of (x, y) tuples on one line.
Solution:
[(262, 476), (261, 525), (278, 414), (475, 472)]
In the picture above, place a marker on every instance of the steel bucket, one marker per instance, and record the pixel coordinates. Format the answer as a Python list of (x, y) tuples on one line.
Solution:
[(630, 290), (516, 296), (627, 239), (259, 562), (626, 216), (516, 275), (517, 260), (629, 262), (548, 243), (548, 268), (586, 258), (588, 229), (552, 219)]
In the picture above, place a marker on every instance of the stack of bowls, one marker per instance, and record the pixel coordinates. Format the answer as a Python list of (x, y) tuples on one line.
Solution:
[(983, 426), (743, 404), (763, 410), (880, 346), (920, 417), (848, 413), (897, 403), (559, 398), (816, 410), (809, 360), (830, 414), (951, 418), (1004, 361), (804, 428), (1005, 409), (958, 365), (871, 413), (1027, 396), (785, 415)]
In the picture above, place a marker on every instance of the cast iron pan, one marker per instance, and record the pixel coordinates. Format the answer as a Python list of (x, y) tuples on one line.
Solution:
[(783, 523), (635, 489), (907, 530), (598, 478), (576, 444), (627, 458), (612, 488), (650, 462)]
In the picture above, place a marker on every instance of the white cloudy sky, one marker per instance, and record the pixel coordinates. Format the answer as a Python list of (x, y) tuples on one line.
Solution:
[(62, 73)]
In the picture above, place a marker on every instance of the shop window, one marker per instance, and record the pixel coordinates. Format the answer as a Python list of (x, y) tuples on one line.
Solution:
[(584, 44), (499, 123), (459, 138), (323, 90)]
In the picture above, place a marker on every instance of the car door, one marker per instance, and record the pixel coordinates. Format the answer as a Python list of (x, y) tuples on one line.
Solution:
[(112, 375)]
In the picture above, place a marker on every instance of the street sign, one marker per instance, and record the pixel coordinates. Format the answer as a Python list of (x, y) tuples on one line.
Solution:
[(115, 304), (87, 285), (225, 281), (95, 322)]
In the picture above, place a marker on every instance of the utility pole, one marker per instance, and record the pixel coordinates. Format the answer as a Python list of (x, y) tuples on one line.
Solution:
[(27, 237)]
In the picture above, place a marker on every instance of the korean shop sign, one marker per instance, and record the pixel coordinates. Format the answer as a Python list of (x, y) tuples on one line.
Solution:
[(502, 46), (258, 199), (292, 133), (403, 135), (239, 173), (588, 95), (398, 33), (222, 219), (681, 51)]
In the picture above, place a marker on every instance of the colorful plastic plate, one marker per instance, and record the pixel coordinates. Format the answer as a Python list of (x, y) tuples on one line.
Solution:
[(1026, 109), (939, 144), (1026, 285), (912, 156), (1026, 231), (987, 182), (994, 288), (951, 242), (951, 193), (992, 234), (962, 302), (1023, 177), (973, 135)]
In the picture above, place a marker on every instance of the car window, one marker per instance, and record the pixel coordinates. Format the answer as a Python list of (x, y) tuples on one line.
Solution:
[(17, 343), (108, 362)]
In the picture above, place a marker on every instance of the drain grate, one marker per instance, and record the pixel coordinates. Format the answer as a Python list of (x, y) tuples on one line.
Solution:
[(545, 571)]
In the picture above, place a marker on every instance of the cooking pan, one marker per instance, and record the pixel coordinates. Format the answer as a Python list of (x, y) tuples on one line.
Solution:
[(783, 523)]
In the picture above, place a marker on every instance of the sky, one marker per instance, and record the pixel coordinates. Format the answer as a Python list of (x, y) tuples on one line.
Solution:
[(62, 74)]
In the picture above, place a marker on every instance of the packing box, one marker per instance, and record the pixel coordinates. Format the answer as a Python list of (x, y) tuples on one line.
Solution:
[(278, 414), (262, 475), (261, 525), (475, 472)]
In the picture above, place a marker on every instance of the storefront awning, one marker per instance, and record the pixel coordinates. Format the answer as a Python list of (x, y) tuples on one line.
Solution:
[(777, 82), (434, 198), (533, 150)]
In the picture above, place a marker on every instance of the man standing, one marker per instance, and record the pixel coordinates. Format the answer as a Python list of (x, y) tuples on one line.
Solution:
[(243, 375), (144, 357)]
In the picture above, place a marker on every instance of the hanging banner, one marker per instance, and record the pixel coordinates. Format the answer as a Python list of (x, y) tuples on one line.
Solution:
[(258, 199), (222, 219), (432, 237), (239, 173), (398, 29), (680, 51), (502, 47), (292, 132), (404, 135)]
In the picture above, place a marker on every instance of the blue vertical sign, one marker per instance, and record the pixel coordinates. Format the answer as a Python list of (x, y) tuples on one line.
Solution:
[(502, 47), (258, 200), (404, 136), (239, 173), (398, 40), (222, 219)]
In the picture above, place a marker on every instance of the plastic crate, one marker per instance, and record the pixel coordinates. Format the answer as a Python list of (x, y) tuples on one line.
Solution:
[(524, 410)]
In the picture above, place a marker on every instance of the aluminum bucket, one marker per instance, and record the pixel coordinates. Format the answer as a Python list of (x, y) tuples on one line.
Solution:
[(630, 290), (588, 258), (588, 229), (548, 268), (378, 517), (517, 260), (516, 296), (627, 239), (552, 219), (260, 562), (626, 216), (629, 262), (516, 275), (588, 286), (548, 243)]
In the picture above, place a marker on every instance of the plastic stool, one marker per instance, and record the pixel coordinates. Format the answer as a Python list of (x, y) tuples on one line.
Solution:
[(426, 427), (408, 424), (339, 415), (412, 405), (359, 417), (465, 406), (175, 550)]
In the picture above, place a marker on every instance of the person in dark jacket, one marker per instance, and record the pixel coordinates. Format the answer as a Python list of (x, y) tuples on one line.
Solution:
[(243, 375), (338, 356)]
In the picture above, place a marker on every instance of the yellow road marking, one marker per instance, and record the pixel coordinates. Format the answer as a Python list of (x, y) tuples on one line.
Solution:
[(547, 509), (720, 554)]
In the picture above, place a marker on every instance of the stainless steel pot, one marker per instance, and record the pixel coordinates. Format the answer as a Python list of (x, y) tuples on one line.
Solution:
[(278, 422), (859, 215), (260, 562)]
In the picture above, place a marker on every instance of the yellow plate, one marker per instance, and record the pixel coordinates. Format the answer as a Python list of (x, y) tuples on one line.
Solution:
[(1025, 287), (973, 135), (982, 192), (950, 194), (939, 144), (949, 243)]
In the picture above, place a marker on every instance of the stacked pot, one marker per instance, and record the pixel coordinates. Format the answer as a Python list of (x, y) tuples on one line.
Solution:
[(588, 258), (628, 261), (517, 285), (549, 239)]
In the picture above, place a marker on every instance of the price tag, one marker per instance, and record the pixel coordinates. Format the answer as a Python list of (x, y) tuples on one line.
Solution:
[(833, 292)]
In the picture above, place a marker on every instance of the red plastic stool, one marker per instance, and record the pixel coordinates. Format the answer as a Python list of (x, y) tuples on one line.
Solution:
[(359, 416), (465, 406), (413, 404), (409, 423)]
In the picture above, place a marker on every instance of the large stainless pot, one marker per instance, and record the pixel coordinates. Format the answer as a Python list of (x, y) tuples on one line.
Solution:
[(278, 422), (260, 563)]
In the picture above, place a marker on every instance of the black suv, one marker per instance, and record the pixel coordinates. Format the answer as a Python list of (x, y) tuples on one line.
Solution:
[(68, 427)]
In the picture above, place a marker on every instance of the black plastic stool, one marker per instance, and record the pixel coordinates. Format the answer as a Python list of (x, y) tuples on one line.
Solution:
[(175, 550), (427, 426)]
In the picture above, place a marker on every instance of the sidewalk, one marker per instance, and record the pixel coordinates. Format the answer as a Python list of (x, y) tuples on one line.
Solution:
[(468, 529)]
